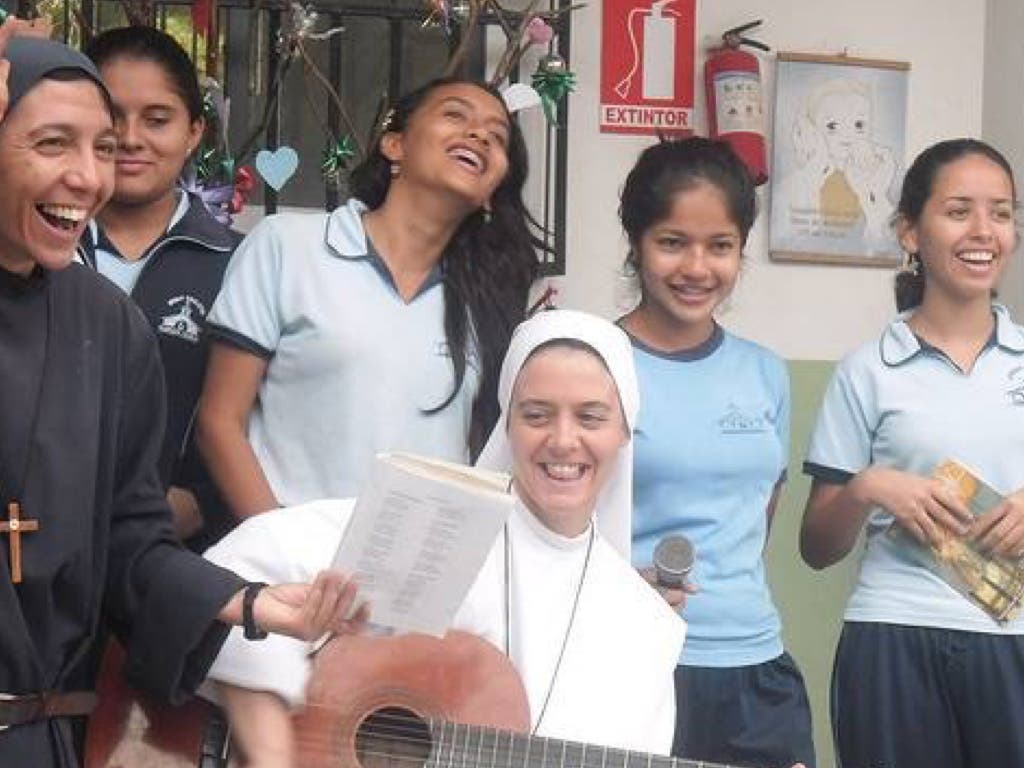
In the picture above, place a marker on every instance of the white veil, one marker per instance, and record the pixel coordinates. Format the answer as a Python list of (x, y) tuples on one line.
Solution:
[(615, 502)]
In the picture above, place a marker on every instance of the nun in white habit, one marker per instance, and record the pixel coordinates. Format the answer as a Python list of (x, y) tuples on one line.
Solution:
[(595, 645)]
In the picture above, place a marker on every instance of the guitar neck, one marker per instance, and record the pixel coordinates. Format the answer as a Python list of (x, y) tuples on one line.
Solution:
[(456, 745)]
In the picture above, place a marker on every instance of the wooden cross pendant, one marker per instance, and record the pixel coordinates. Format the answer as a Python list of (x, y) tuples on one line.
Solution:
[(14, 526)]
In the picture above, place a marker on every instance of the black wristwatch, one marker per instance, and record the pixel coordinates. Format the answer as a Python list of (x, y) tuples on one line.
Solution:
[(250, 629)]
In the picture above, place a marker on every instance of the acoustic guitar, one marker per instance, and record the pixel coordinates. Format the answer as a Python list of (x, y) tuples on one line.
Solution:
[(394, 702)]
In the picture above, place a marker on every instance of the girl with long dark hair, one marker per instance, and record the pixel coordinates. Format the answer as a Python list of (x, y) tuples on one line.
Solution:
[(380, 326)]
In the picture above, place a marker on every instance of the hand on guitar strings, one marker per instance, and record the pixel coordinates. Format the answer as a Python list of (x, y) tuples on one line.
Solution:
[(328, 606)]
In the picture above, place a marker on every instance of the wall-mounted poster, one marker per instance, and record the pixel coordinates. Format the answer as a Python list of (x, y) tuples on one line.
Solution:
[(837, 160), (647, 54)]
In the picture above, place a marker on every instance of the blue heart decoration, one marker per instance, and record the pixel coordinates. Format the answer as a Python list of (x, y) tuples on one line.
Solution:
[(278, 166)]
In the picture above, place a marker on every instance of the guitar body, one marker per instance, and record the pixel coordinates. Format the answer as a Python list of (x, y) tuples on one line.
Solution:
[(408, 701), (368, 703), (369, 698)]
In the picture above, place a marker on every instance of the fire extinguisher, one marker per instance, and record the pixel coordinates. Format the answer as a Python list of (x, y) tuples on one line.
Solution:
[(732, 85)]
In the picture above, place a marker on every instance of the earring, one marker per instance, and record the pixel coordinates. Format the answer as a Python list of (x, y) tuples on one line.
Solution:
[(396, 170), (911, 264), (485, 212)]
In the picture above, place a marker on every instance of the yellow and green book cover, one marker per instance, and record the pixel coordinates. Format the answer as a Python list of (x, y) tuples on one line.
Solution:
[(994, 583)]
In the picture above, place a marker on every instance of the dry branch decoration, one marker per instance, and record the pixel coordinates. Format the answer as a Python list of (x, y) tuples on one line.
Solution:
[(298, 27), (522, 29)]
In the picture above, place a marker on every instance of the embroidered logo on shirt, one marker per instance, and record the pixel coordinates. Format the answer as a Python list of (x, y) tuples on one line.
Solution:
[(1016, 390), (443, 350), (180, 323), (739, 421)]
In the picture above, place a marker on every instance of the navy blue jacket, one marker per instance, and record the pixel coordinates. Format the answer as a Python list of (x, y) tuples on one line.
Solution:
[(176, 290)]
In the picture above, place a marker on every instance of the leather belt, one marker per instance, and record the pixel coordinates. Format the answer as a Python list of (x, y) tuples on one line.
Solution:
[(29, 708)]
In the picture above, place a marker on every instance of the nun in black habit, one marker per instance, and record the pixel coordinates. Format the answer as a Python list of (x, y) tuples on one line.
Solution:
[(85, 534)]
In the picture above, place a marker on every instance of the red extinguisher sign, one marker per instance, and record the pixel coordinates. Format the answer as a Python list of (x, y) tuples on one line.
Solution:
[(647, 66)]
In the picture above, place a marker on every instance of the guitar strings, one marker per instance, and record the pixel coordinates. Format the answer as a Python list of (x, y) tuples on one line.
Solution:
[(451, 752), (443, 745), (450, 742)]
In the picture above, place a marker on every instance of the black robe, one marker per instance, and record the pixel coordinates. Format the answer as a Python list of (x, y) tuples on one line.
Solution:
[(105, 552)]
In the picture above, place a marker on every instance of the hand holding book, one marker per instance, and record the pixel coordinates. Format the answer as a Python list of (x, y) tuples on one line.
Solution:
[(1000, 530), (972, 560), (927, 509)]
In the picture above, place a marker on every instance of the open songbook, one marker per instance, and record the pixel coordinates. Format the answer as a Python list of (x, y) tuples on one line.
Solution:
[(419, 534), (994, 583)]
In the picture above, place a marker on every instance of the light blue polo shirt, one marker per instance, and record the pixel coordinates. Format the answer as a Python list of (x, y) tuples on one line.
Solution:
[(711, 442), (898, 403), (352, 369)]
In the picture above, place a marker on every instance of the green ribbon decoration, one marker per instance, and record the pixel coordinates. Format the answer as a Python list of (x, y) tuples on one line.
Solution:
[(553, 86), (212, 164), (206, 162), (337, 157)]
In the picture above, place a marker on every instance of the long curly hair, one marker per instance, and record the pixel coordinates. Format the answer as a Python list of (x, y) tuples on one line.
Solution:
[(487, 266)]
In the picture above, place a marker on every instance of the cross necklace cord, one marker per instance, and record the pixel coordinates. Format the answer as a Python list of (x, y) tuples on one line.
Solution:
[(15, 525), (568, 629)]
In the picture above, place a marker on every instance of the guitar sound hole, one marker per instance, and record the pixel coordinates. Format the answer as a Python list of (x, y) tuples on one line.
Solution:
[(393, 737)]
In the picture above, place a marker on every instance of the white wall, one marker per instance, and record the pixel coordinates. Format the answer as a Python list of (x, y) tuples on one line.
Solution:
[(1003, 122), (803, 312)]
